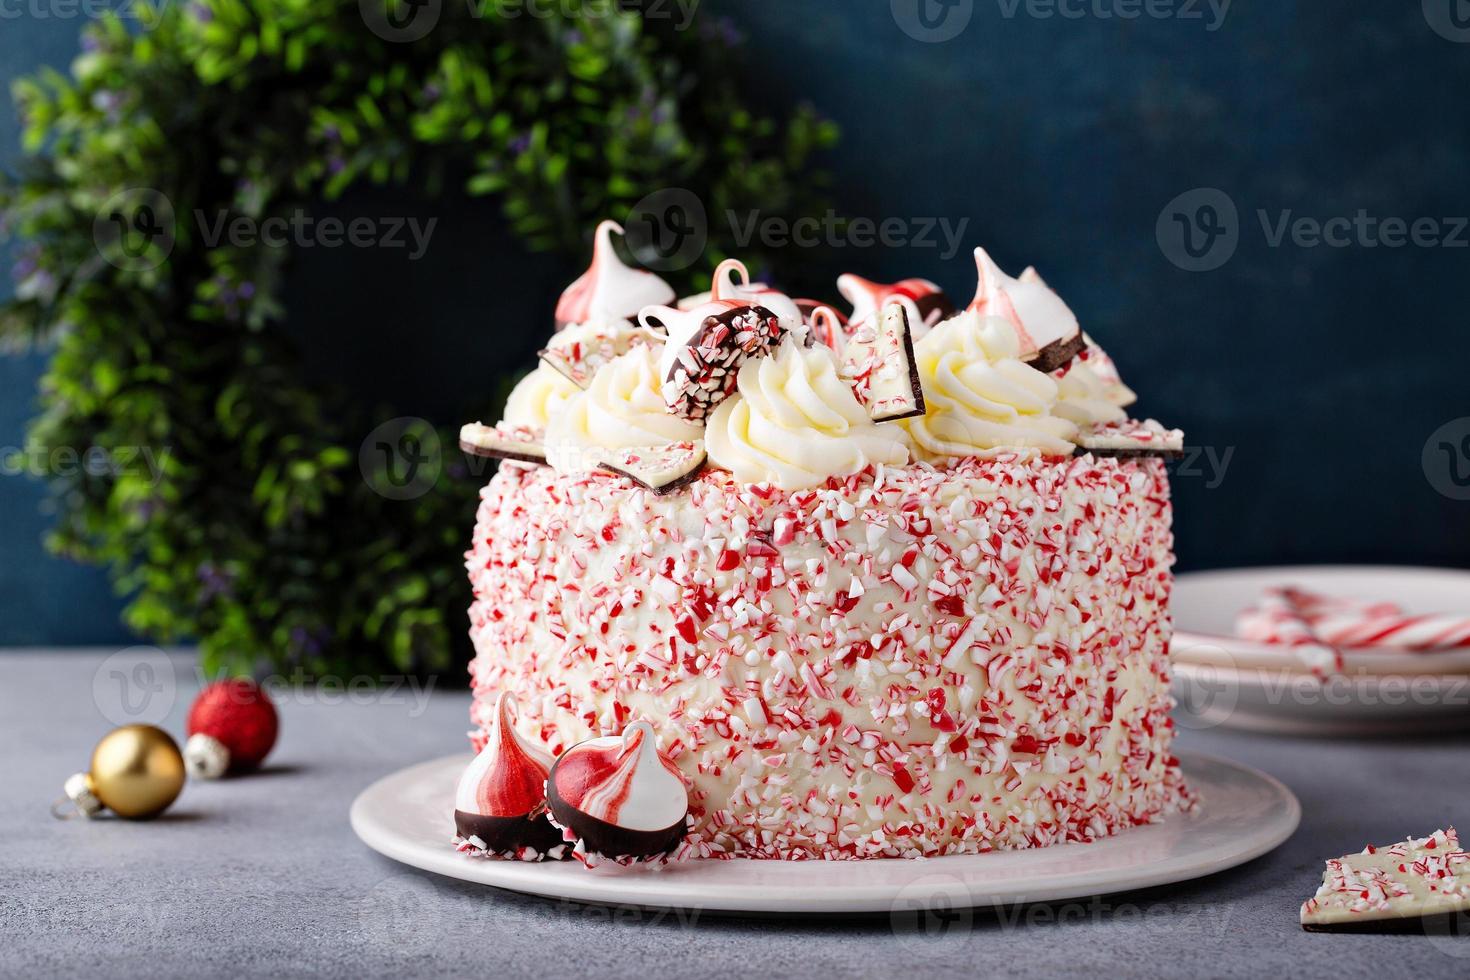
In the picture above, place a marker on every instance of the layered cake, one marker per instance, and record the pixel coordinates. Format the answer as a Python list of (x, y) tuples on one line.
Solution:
[(879, 583)]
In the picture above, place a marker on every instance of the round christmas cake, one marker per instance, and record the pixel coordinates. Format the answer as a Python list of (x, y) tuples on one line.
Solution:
[(887, 584)]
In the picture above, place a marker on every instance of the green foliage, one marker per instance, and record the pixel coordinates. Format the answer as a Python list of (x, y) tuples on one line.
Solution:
[(254, 530)]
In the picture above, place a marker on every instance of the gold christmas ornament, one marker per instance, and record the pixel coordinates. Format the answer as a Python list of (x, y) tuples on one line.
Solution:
[(137, 772)]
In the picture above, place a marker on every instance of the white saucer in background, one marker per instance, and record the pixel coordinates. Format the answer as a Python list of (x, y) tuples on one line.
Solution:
[(1223, 680)]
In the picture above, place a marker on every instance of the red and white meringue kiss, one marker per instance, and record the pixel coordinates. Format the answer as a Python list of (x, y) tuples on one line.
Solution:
[(609, 290), (868, 297), (500, 807), (1047, 328), (619, 795)]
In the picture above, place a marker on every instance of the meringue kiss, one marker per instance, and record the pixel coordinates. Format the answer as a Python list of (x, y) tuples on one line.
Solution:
[(609, 290), (619, 795), (868, 297), (502, 795), (1047, 328)]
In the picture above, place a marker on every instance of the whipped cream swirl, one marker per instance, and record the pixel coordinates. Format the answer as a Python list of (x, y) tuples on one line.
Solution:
[(794, 422), (982, 398), (538, 397), (623, 409)]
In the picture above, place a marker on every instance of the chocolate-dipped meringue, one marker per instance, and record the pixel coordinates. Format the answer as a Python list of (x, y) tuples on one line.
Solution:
[(619, 795), (500, 807)]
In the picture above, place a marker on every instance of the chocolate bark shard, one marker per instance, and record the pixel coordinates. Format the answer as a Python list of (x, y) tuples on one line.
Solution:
[(662, 469), (1131, 439), (1057, 354), (894, 390), (581, 351), (520, 443), (1413, 886)]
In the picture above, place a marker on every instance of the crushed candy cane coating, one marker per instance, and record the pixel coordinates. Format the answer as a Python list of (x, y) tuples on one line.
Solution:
[(908, 661)]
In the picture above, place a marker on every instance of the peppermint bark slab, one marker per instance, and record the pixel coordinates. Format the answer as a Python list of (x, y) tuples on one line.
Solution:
[(894, 389), (1131, 439), (1414, 886), (662, 469), (516, 442)]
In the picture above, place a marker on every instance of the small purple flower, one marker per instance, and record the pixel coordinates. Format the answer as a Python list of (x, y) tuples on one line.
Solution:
[(246, 290), (200, 13), (213, 581), (520, 144), (336, 165), (574, 36)]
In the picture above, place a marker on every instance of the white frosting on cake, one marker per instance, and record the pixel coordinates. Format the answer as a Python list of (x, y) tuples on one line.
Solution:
[(911, 661), (981, 398), (538, 397), (794, 423), (624, 409)]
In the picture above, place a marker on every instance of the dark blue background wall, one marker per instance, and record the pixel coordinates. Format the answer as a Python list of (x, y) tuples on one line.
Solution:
[(1319, 373)]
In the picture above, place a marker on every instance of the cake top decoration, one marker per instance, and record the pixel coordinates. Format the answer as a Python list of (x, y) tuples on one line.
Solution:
[(633, 387), (724, 286), (794, 422), (1046, 327), (704, 348), (981, 397), (868, 297), (609, 290)]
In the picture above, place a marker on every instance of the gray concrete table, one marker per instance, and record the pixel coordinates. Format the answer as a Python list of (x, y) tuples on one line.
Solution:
[(262, 876)]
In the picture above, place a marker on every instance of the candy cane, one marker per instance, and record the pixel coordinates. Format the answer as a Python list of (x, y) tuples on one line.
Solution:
[(1413, 633), (1279, 620)]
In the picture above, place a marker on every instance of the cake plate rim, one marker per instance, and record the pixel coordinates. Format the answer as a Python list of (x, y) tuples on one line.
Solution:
[(1243, 813)]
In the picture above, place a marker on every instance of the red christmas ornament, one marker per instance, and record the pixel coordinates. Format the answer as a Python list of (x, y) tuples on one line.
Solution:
[(232, 727)]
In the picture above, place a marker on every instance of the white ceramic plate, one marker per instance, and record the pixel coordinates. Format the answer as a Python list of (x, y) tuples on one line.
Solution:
[(1244, 813), (1223, 680)]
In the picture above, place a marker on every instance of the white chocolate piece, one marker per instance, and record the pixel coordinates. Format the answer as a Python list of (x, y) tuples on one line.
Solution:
[(1388, 885)]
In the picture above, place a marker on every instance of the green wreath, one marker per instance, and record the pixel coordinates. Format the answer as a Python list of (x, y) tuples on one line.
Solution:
[(255, 533)]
